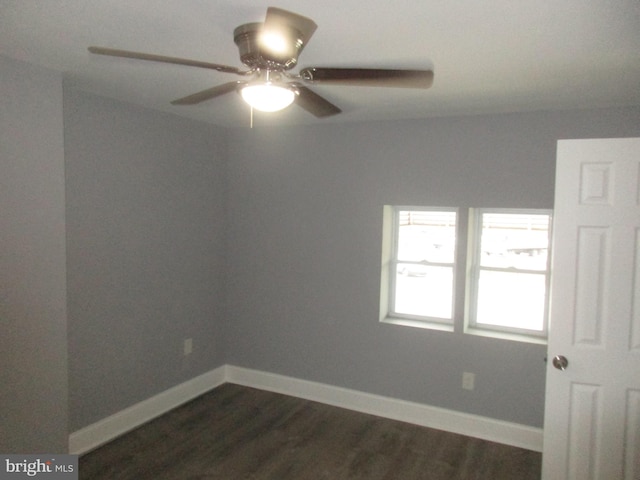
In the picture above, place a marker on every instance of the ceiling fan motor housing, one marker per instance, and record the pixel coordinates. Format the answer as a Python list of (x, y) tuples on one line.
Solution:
[(256, 54)]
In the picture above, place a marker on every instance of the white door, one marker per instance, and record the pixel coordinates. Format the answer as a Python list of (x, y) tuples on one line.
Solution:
[(592, 413)]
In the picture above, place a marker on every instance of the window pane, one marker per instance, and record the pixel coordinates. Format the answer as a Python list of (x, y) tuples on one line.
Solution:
[(518, 241), (515, 300), (424, 290), (426, 236)]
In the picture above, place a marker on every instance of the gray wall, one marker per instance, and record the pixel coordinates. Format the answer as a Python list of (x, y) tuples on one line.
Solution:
[(304, 227), (33, 330), (145, 252)]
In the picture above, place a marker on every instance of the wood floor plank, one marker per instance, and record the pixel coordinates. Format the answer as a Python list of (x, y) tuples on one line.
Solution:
[(240, 433)]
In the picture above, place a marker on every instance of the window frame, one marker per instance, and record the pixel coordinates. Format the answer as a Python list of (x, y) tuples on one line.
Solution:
[(391, 315), (474, 268)]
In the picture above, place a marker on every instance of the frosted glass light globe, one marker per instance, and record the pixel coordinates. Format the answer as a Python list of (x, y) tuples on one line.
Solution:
[(267, 97)]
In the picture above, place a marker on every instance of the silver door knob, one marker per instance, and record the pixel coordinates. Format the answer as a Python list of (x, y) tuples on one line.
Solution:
[(560, 362)]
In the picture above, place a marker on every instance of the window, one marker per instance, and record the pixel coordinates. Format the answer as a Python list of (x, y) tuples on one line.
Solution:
[(506, 253), (421, 267), (509, 271), (424, 261)]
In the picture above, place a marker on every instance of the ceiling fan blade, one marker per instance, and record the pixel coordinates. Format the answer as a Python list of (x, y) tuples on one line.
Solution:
[(277, 17), (314, 103), (369, 77), (112, 52), (208, 94)]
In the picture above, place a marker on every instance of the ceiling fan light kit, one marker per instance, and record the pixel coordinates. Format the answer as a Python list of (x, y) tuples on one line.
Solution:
[(268, 93), (268, 97), (270, 50)]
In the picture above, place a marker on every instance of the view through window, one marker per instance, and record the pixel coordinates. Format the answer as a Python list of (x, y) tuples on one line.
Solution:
[(511, 270), (425, 246)]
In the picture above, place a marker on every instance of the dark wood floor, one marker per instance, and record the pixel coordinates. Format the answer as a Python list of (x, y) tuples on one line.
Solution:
[(240, 433)]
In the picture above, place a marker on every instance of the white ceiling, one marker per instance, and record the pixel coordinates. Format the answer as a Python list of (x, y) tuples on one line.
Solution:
[(488, 56)]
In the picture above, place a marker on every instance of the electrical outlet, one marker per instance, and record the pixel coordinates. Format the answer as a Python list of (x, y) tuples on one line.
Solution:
[(468, 380), (188, 346)]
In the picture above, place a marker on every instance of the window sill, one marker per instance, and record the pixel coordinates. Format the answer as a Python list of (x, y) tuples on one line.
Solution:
[(515, 337), (442, 327)]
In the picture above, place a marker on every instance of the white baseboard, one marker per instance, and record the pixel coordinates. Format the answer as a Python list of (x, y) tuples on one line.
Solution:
[(499, 431), (105, 430)]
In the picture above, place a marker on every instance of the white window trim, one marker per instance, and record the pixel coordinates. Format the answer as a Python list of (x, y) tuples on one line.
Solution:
[(389, 267), (473, 275)]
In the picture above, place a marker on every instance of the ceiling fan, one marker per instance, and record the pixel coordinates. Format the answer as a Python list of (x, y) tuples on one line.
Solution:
[(270, 50)]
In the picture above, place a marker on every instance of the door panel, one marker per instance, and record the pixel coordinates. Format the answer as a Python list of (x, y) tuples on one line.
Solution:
[(634, 334), (592, 412), (591, 268), (632, 440), (584, 411)]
